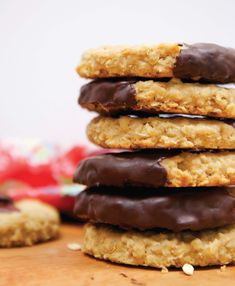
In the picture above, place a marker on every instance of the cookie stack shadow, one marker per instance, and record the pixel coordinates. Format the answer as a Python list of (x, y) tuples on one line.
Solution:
[(167, 198)]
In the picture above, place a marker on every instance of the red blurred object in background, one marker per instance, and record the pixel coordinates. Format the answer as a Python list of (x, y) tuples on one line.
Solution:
[(20, 170), (56, 171), (63, 167), (42, 172)]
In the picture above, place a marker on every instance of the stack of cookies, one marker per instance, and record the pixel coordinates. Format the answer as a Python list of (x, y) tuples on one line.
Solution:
[(166, 199)]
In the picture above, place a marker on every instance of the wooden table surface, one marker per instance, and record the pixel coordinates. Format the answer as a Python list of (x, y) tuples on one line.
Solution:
[(52, 264)]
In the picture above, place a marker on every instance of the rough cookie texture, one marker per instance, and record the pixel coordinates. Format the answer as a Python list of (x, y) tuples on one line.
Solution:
[(145, 61), (187, 98), (153, 132), (200, 169), (161, 249), (35, 222), (156, 97)]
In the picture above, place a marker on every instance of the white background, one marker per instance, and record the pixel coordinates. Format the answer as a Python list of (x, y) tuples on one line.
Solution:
[(41, 42)]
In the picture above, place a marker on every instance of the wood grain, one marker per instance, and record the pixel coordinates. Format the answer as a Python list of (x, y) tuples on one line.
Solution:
[(52, 264)]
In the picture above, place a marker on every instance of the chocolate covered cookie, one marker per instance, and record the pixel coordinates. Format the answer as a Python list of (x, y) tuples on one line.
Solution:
[(202, 61), (173, 209), (123, 96), (154, 168)]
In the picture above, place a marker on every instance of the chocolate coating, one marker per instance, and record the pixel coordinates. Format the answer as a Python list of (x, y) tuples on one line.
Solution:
[(108, 93), (6, 204), (208, 62), (176, 210), (124, 169)]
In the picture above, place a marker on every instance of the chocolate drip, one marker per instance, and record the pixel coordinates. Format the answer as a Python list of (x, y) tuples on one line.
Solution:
[(119, 93), (6, 204), (124, 169), (208, 62), (202, 117), (228, 121), (173, 209)]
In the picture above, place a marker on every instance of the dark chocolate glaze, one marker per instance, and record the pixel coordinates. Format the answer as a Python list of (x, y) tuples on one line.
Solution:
[(209, 62), (174, 209), (6, 204), (112, 92), (141, 169)]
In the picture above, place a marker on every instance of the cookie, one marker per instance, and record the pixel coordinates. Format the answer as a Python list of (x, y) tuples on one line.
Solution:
[(163, 131), (201, 61), (161, 249), (27, 222), (112, 96), (145, 209), (171, 168)]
